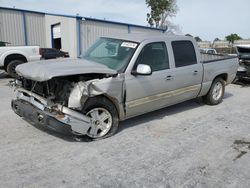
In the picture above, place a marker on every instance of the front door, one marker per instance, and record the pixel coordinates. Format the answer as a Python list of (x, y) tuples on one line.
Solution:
[(143, 93)]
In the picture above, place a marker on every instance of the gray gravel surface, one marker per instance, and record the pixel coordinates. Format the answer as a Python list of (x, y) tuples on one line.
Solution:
[(186, 145)]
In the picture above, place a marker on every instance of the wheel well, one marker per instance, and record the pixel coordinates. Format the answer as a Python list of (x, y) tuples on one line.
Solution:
[(110, 99), (12, 57), (114, 102), (223, 76)]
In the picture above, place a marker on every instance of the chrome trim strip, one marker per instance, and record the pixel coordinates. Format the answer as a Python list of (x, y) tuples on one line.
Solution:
[(138, 102)]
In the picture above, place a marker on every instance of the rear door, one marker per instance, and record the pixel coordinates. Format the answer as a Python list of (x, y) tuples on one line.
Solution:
[(187, 72)]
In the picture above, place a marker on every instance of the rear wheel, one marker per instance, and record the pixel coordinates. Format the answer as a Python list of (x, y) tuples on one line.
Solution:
[(104, 117), (11, 68), (216, 92)]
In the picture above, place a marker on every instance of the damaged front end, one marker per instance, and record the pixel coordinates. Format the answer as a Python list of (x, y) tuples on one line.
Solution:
[(38, 110), (243, 52), (57, 103), (244, 69)]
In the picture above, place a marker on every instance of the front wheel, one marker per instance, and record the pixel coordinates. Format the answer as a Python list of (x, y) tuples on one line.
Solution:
[(104, 117), (216, 92)]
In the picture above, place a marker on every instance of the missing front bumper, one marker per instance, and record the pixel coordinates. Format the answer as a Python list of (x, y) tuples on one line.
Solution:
[(35, 109), (39, 118)]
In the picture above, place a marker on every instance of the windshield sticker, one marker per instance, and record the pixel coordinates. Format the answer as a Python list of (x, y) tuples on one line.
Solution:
[(128, 45)]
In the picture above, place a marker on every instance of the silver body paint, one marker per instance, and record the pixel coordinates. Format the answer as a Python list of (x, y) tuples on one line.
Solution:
[(135, 95)]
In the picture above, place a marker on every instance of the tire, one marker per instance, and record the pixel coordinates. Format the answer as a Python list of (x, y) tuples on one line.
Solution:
[(12, 66), (5, 68), (216, 92), (101, 106)]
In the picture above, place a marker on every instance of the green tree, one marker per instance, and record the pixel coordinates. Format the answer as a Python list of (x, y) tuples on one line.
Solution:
[(160, 10), (233, 37)]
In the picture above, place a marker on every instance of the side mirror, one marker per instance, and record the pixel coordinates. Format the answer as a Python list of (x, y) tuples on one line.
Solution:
[(142, 69)]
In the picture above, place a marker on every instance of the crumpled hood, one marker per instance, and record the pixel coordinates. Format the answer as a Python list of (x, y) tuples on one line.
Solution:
[(46, 69)]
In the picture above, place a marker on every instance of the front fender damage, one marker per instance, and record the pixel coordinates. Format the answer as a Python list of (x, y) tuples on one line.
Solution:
[(112, 88)]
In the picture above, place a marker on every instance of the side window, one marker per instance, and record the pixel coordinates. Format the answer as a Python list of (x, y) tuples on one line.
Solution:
[(184, 53), (155, 55)]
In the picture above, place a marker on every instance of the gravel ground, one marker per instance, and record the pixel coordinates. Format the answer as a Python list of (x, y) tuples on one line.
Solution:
[(186, 145)]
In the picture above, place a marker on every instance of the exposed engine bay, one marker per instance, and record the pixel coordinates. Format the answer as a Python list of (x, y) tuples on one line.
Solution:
[(73, 91), (61, 99), (58, 90)]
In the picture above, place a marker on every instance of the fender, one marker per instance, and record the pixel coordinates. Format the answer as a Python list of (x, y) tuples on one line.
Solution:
[(10, 52)]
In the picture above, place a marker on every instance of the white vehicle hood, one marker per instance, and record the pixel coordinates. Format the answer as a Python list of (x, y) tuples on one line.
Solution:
[(47, 69)]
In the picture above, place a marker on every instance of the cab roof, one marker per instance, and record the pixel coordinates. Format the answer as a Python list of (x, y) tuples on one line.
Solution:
[(140, 37)]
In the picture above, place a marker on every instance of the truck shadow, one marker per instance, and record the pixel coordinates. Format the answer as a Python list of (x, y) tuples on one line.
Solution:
[(136, 121), (168, 111), (227, 95), (4, 75), (242, 83)]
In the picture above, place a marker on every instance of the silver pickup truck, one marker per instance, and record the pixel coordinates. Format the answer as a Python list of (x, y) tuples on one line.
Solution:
[(116, 79)]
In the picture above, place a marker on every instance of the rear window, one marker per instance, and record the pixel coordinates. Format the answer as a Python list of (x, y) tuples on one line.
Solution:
[(184, 53)]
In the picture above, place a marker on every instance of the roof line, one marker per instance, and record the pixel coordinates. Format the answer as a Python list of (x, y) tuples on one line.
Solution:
[(122, 23), (22, 10), (80, 17)]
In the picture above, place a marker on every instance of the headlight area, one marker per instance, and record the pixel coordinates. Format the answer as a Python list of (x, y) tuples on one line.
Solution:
[(38, 110)]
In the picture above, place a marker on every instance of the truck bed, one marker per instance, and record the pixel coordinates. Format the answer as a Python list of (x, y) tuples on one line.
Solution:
[(206, 57), (215, 64)]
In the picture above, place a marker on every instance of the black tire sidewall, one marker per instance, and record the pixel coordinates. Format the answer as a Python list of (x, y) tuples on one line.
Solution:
[(209, 98), (10, 66), (102, 102)]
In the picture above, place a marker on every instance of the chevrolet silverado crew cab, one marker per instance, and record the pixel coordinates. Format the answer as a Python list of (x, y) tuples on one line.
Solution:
[(12, 56), (118, 78)]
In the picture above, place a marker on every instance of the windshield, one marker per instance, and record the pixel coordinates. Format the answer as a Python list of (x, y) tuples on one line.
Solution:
[(243, 50), (114, 53)]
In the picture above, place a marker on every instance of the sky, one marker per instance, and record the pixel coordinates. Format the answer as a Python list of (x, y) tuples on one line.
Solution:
[(207, 19)]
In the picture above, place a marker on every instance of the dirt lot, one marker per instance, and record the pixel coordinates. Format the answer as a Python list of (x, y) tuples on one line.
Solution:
[(186, 145)]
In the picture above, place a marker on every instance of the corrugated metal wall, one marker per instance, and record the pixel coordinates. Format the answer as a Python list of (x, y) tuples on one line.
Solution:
[(11, 27), (134, 29), (35, 25), (68, 33), (91, 30), (14, 23)]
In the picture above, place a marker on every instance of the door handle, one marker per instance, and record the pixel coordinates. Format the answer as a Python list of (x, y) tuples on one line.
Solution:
[(195, 72), (169, 77)]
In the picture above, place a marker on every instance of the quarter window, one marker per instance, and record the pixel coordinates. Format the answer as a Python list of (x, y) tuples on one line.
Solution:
[(184, 53), (155, 55)]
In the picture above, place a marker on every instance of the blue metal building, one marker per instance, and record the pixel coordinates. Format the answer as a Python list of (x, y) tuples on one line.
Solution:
[(73, 34)]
